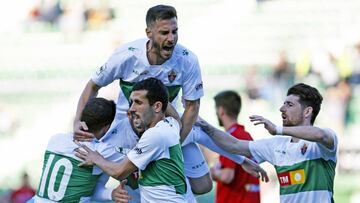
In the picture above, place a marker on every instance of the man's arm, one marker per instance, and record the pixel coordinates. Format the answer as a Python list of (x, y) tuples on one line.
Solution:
[(116, 170), (224, 175), (309, 133), (189, 117), (90, 91), (225, 140)]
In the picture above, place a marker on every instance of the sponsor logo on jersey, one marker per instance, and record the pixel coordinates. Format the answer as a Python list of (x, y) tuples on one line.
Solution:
[(198, 165), (140, 73), (101, 69), (304, 149), (280, 151), (199, 86), (172, 75), (138, 150), (292, 177), (185, 52), (131, 48)]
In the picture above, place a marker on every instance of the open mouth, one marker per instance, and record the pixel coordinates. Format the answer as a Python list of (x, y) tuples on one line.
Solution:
[(283, 116), (168, 48)]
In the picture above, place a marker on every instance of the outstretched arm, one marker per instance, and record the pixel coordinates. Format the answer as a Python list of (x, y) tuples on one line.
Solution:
[(116, 170), (224, 140), (309, 133), (90, 91)]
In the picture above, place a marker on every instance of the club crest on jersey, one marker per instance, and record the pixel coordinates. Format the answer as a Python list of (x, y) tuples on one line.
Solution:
[(172, 75), (304, 148)]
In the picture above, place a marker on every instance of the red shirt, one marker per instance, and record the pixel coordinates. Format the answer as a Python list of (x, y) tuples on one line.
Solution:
[(244, 188), (22, 195)]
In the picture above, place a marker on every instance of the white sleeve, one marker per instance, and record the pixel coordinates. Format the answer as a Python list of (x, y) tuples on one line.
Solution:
[(109, 152), (262, 150), (204, 139), (195, 165), (101, 193), (150, 147), (192, 88), (111, 70), (328, 153)]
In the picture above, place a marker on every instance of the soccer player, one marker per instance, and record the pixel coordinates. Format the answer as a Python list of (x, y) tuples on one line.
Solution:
[(158, 152), (62, 179), (158, 56), (233, 183), (304, 156)]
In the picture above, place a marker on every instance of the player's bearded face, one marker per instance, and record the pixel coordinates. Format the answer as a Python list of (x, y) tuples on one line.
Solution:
[(164, 36), (292, 111), (140, 112)]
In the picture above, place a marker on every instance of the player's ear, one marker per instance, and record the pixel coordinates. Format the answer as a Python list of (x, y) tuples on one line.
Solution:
[(308, 112), (157, 106), (149, 32)]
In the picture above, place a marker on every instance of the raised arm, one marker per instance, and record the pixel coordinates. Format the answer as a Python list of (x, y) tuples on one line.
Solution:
[(90, 91), (189, 117), (116, 170), (308, 132), (225, 140)]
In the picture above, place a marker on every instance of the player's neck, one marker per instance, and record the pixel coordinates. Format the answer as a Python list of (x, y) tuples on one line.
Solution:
[(228, 122)]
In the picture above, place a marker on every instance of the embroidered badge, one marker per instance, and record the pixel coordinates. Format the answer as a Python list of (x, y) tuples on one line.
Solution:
[(172, 75), (304, 148)]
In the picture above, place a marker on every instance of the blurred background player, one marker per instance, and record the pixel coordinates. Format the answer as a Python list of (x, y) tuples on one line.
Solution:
[(233, 183)]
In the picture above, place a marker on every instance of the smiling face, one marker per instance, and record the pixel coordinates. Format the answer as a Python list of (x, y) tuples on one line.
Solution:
[(163, 36), (292, 112), (141, 114)]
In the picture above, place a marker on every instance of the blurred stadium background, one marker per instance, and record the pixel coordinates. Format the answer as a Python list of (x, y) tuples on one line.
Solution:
[(49, 49)]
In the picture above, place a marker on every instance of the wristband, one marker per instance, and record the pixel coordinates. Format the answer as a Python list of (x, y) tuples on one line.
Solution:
[(279, 130)]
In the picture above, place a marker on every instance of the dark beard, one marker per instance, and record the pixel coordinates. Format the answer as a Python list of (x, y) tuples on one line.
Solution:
[(220, 122)]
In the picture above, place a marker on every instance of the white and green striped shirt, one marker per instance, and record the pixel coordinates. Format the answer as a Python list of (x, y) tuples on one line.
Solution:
[(305, 169), (62, 179), (158, 156)]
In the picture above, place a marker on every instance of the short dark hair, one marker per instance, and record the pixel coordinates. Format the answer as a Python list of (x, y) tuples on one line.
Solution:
[(230, 101), (156, 91), (308, 96), (97, 113), (159, 12)]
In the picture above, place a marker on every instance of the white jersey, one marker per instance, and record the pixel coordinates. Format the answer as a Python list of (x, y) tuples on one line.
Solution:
[(62, 179), (159, 158), (129, 64), (305, 169)]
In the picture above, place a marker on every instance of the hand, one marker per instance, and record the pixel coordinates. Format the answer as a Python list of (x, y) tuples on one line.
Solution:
[(88, 156), (205, 126), (80, 133), (255, 170), (119, 194), (269, 126)]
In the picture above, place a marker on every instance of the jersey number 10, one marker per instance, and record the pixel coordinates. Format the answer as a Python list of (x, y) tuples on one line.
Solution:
[(49, 177)]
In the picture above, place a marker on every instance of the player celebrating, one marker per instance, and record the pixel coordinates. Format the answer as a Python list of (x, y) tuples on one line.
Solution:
[(62, 179)]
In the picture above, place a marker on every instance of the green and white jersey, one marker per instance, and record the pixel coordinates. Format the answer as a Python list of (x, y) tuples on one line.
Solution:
[(62, 179), (129, 64), (305, 169), (158, 156)]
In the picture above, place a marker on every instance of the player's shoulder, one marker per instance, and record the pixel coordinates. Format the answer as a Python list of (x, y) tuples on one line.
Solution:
[(184, 53), (130, 49), (61, 143)]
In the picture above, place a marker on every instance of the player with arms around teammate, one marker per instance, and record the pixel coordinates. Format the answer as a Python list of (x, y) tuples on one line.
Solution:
[(158, 56), (158, 152), (62, 179), (304, 156)]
